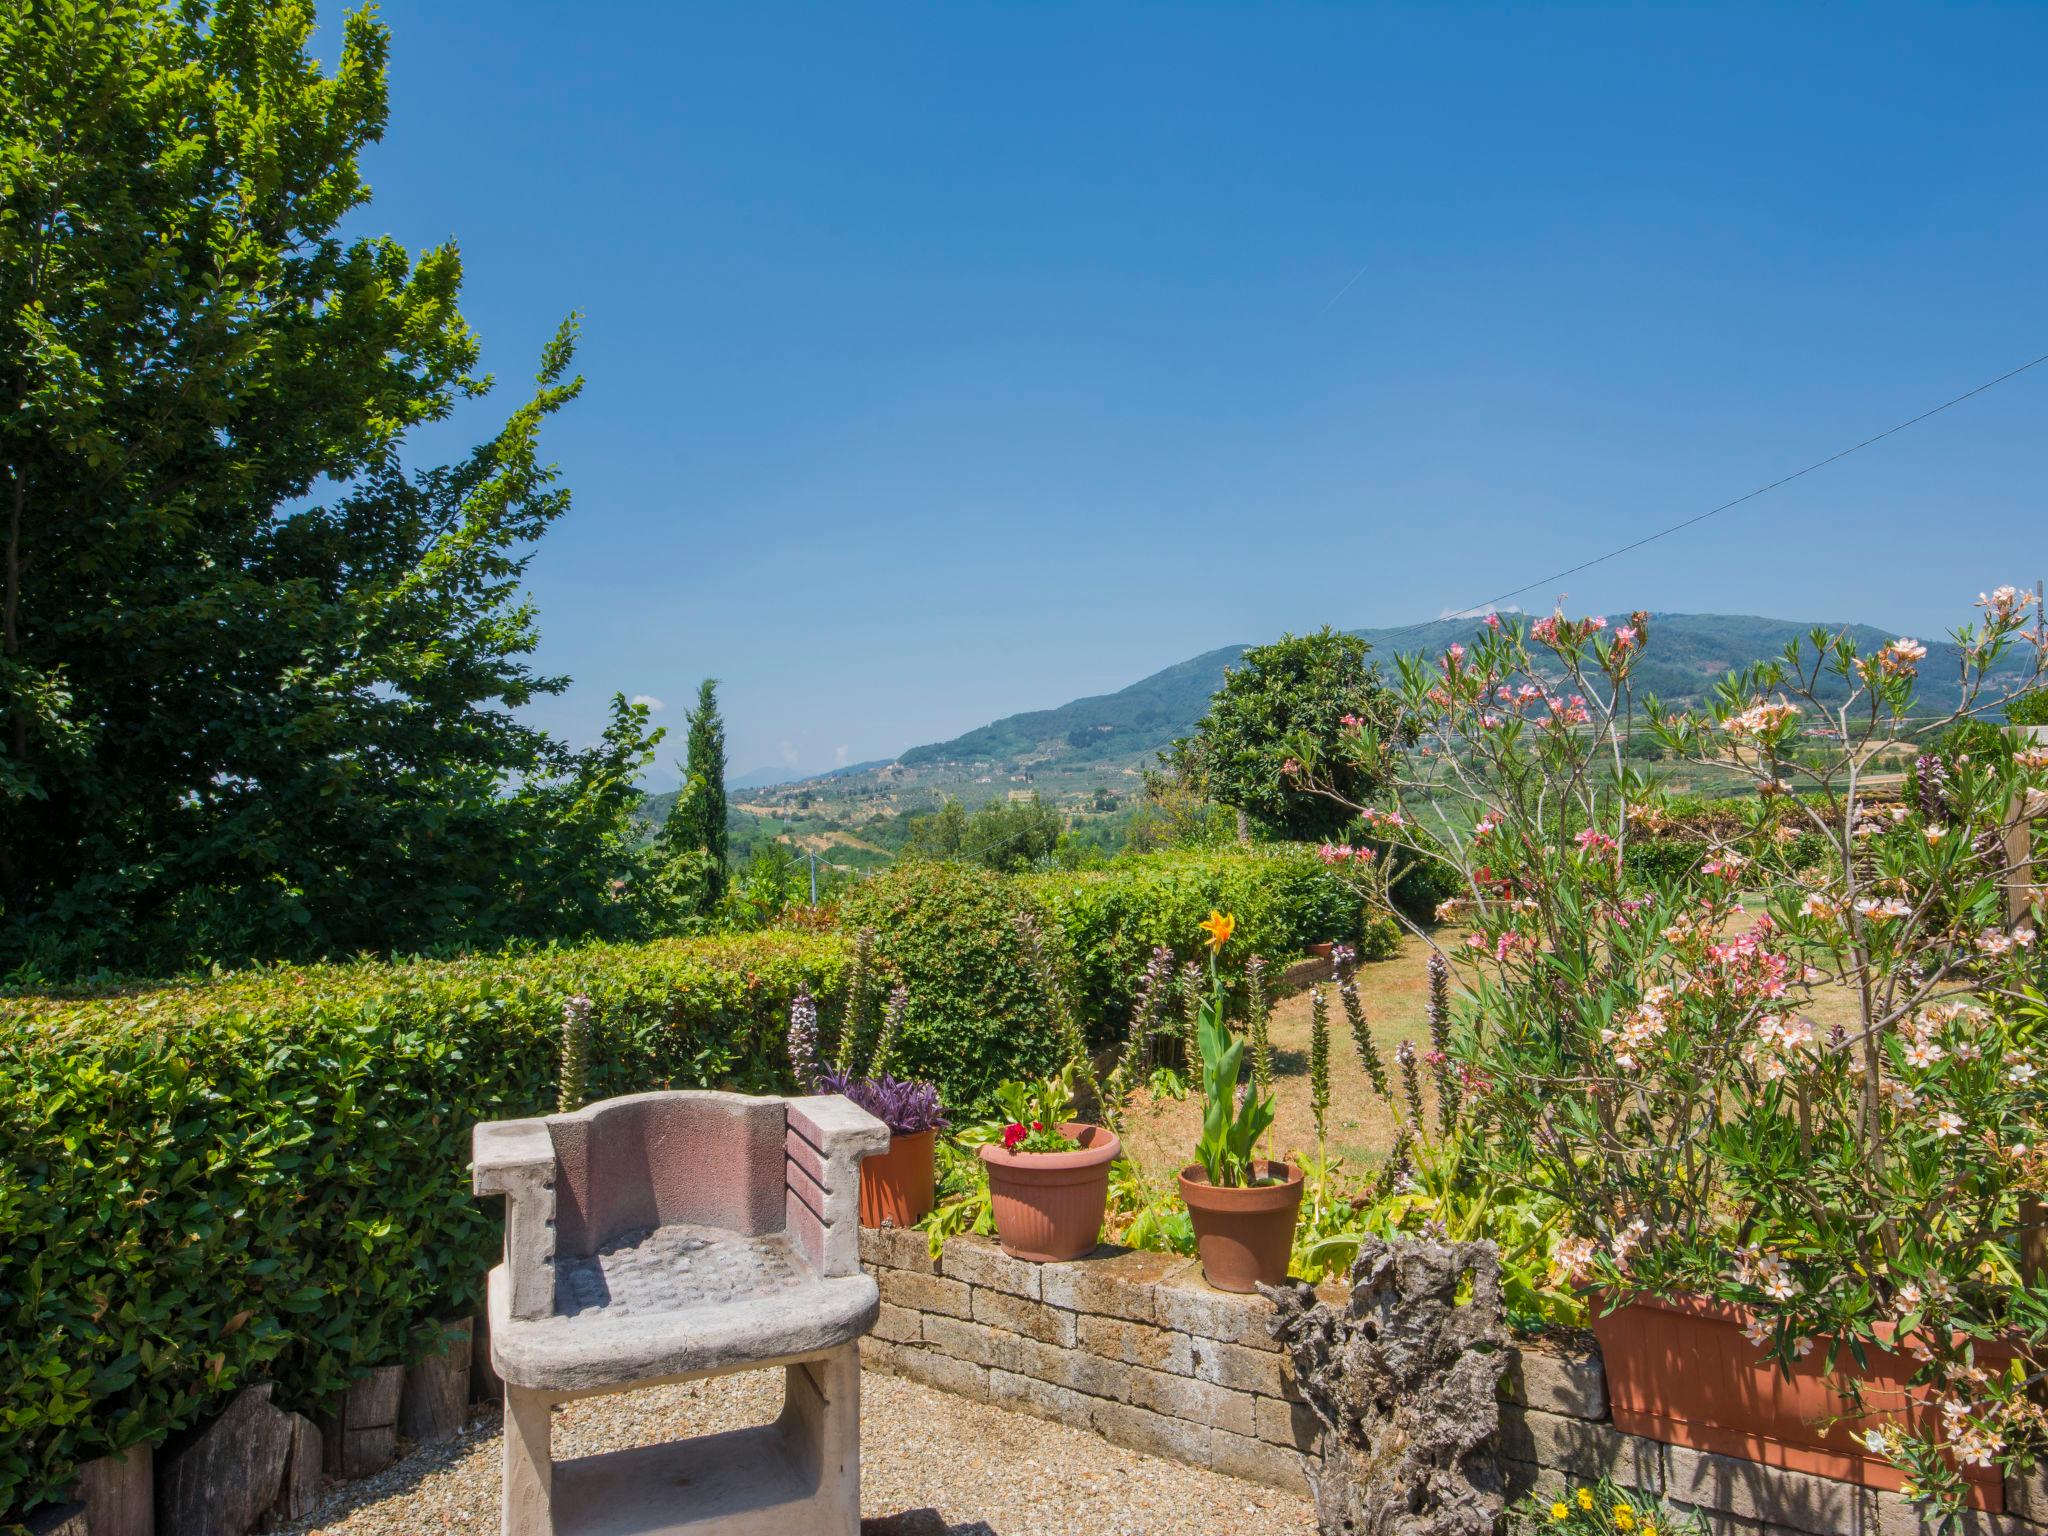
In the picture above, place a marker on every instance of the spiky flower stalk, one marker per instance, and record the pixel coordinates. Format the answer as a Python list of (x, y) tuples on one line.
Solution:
[(892, 1025), (575, 1079), (1194, 981), (1259, 1003), (803, 1039), (1411, 1081), (856, 1022), (1397, 1167), (1354, 1015), (1930, 780), (1447, 1094), (1319, 1064), (1059, 999), (1155, 987)]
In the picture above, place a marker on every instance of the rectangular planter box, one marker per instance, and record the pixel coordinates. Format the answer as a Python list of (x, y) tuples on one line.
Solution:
[(1682, 1372)]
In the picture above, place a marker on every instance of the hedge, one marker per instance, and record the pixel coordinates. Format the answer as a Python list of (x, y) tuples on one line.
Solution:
[(947, 932), (1283, 897), (267, 1177)]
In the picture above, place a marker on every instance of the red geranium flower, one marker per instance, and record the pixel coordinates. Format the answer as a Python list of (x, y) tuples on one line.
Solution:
[(1012, 1134)]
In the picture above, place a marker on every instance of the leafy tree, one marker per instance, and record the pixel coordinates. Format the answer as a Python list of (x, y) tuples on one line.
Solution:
[(1004, 835), (257, 677), (1285, 705), (2029, 708), (697, 821)]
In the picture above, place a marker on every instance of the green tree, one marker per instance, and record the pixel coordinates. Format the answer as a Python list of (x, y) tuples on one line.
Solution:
[(697, 821), (1284, 704), (1004, 835), (257, 678)]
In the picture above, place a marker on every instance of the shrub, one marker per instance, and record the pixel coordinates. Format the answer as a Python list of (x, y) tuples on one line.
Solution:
[(974, 1016), (267, 1177), (1109, 921), (1659, 1059)]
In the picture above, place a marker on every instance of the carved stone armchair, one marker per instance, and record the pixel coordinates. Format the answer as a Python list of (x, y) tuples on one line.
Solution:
[(664, 1237)]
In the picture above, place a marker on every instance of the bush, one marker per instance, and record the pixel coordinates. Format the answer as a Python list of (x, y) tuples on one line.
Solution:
[(1108, 921), (267, 1177), (948, 933)]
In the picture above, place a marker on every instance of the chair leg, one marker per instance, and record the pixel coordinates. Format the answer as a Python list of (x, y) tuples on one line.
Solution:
[(529, 1464), (820, 1427)]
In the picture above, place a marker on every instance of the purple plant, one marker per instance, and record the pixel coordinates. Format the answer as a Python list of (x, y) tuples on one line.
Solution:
[(905, 1107)]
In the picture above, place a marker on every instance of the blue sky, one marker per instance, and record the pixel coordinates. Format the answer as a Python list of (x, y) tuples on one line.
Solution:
[(945, 361)]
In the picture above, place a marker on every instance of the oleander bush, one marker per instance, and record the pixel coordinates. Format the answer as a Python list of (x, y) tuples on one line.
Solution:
[(266, 1177)]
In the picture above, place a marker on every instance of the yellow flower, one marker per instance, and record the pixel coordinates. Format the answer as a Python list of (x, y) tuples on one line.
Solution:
[(1560, 1510), (1624, 1518), (1647, 1530), (1585, 1498), (1220, 927)]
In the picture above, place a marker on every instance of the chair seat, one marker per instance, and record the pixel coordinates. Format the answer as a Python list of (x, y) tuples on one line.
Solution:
[(676, 1301)]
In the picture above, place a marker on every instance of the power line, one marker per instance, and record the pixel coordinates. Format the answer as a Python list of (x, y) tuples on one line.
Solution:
[(1475, 609)]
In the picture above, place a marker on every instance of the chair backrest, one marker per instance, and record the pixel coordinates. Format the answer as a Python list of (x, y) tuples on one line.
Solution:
[(659, 1159)]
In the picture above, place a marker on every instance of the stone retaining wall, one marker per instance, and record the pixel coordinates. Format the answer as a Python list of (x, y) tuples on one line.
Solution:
[(1136, 1347)]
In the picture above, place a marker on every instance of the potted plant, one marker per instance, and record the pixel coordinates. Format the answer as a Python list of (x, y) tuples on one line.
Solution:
[(1781, 1061), (1243, 1207), (1048, 1178), (897, 1187)]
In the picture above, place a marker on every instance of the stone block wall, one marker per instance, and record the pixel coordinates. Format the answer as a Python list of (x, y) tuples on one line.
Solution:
[(1136, 1347)]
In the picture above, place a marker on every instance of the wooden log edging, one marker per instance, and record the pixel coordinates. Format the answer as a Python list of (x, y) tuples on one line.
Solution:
[(1137, 1348)]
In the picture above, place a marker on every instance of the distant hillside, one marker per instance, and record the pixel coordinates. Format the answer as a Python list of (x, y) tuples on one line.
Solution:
[(1100, 745), (1688, 653)]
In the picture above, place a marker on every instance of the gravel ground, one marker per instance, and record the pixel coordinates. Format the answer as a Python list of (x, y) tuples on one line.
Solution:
[(931, 1465)]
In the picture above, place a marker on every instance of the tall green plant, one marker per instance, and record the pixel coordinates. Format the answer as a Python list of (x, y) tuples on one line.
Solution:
[(697, 821), (261, 681), (1232, 1123)]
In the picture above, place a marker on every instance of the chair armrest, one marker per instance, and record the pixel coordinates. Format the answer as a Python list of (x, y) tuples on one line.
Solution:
[(516, 1159), (828, 1136)]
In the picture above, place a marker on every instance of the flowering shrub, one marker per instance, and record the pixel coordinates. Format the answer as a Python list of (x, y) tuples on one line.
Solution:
[(1813, 1088)]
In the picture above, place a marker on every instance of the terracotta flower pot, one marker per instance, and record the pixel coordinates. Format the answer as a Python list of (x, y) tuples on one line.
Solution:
[(1683, 1371), (898, 1187), (1243, 1235), (1049, 1205)]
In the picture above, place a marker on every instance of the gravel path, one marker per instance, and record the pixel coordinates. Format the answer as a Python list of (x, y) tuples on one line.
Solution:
[(931, 1465)]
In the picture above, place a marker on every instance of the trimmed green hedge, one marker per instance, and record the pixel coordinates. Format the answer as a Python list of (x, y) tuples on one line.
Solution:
[(267, 1177), (1283, 897), (948, 933)]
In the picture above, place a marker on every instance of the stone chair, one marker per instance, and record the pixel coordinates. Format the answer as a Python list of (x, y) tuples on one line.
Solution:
[(667, 1237)]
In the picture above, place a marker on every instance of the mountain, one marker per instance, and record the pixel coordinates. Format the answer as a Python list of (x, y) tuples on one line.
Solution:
[(1091, 753)]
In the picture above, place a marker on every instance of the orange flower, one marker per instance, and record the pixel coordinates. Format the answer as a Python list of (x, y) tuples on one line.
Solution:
[(1219, 928)]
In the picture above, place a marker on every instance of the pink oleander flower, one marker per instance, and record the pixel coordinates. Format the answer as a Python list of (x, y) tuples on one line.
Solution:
[(1493, 621), (1903, 656)]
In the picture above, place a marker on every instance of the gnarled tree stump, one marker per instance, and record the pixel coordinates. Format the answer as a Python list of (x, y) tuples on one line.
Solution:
[(1403, 1382)]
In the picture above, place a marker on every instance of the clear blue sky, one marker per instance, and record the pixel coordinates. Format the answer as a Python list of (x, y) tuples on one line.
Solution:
[(951, 360)]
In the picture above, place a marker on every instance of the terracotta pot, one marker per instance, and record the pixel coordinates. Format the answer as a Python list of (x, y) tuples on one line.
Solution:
[(898, 1186), (1683, 1371), (1243, 1235), (1322, 951), (1049, 1205)]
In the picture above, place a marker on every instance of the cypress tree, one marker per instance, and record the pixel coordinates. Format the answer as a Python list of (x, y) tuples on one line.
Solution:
[(697, 820)]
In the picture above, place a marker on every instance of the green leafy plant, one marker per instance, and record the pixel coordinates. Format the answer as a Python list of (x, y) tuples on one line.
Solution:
[(1033, 1112), (1232, 1123)]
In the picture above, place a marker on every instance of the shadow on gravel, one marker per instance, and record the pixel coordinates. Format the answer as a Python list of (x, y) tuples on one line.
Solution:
[(923, 1522)]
